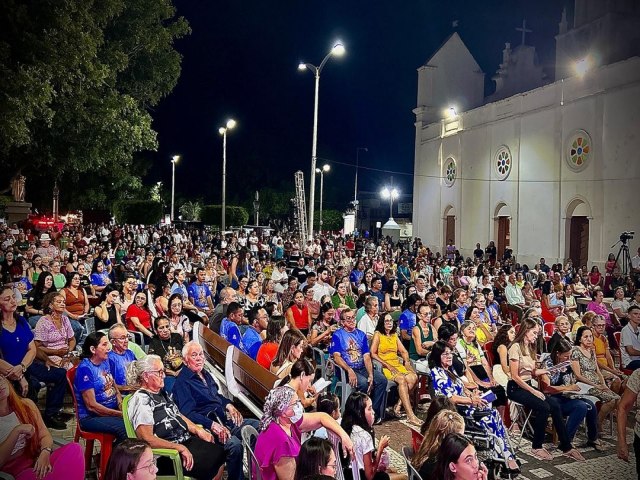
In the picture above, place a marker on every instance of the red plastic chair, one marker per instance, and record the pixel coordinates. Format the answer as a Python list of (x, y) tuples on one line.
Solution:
[(626, 371), (549, 329), (488, 350), (106, 440)]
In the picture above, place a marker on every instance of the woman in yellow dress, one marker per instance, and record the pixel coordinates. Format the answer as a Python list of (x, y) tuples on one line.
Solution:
[(385, 348)]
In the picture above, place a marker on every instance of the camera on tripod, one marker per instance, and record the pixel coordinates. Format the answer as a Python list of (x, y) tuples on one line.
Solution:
[(624, 236)]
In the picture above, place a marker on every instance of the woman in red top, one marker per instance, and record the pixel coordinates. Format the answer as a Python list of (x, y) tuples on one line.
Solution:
[(298, 314), (609, 267), (595, 278), (138, 316), (267, 351)]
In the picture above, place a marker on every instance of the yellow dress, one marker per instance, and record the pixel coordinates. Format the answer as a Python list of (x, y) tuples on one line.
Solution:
[(388, 352)]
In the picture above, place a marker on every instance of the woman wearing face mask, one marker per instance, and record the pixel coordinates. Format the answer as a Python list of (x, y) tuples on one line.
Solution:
[(278, 444)]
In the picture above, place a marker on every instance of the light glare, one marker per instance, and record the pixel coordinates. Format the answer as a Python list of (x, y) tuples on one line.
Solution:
[(338, 49)]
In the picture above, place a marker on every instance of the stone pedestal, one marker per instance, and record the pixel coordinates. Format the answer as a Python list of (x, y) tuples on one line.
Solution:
[(17, 211), (391, 229)]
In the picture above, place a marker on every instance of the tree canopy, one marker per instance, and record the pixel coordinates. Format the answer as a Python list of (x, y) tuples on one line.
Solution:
[(79, 77)]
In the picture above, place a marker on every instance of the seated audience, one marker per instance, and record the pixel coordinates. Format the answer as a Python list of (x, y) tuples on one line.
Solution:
[(255, 331), (197, 396), (119, 356), (26, 446), (630, 340), (229, 328), (54, 336), (350, 350), (504, 337), (298, 314), (108, 312), (138, 316), (279, 441), (316, 457), (323, 327), (290, 349), (613, 377), (267, 352), (168, 346), (562, 332), (157, 420), (99, 401), (19, 365), (299, 379), (458, 460), (386, 348), (423, 335)]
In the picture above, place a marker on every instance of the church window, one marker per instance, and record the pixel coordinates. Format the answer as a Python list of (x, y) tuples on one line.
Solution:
[(503, 162), (450, 171), (578, 152)]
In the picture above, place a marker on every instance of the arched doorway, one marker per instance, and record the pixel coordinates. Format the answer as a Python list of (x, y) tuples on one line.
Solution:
[(502, 218), (578, 215), (449, 229)]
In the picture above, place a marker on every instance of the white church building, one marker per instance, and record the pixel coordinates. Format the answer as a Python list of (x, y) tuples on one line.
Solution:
[(547, 168)]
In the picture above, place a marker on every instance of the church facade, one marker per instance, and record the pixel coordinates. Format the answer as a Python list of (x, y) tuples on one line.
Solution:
[(547, 168)]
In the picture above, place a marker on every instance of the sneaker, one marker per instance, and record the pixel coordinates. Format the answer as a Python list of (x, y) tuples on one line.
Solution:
[(55, 423), (378, 421), (64, 416)]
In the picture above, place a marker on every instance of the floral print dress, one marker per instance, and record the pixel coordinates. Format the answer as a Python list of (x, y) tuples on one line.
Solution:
[(487, 417)]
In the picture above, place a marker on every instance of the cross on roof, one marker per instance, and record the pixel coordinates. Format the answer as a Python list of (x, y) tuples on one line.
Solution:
[(524, 30)]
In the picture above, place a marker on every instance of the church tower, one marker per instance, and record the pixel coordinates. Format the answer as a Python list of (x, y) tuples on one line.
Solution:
[(607, 31)]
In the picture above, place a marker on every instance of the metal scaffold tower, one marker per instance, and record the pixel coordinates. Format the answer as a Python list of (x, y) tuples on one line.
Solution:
[(300, 208)]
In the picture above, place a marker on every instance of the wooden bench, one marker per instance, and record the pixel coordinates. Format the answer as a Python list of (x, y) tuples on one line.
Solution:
[(243, 377)]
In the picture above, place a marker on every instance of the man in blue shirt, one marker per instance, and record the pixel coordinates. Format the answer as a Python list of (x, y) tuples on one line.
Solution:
[(196, 394), (119, 356), (229, 328), (459, 298), (200, 294), (376, 291), (407, 319), (350, 351), (356, 275), (252, 338)]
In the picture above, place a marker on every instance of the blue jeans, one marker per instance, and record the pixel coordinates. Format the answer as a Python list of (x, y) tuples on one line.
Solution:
[(576, 410), (234, 449), (111, 425), (56, 381), (378, 389), (78, 331), (633, 365)]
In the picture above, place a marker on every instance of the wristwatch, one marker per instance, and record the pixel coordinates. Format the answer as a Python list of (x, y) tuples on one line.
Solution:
[(24, 369)]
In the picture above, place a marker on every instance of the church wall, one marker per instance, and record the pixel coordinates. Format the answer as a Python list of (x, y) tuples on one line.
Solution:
[(426, 188)]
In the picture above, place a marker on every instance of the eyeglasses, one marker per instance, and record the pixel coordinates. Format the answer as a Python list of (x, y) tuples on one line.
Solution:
[(599, 325), (447, 354), (151, 467), (120, 338), (161, 373)]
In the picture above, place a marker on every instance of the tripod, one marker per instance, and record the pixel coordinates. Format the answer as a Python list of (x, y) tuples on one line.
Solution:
[(626, 257)]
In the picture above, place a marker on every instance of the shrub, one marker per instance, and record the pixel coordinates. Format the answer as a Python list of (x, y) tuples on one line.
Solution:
[(212, 215), (145, 212)]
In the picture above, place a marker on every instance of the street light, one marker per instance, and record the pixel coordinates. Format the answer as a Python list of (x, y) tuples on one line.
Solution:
[(223, 131), (337, 50), (355, 192), (391, 194), (174, 160), (325, 168)]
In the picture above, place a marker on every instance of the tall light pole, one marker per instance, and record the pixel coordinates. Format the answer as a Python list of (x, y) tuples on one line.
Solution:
[(223, 131), (355, 188), (174, 160), (325, 168), (391, 194), (337, 50)]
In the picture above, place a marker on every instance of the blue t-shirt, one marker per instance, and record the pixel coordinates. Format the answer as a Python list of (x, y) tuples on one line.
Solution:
[(99, 279), (462, 311), (14, 345), (251, 342), (407, 321), (352, 346), (199, 293), (100, 379), (231, 333), (181, 289), (356, 276), (118, 365)]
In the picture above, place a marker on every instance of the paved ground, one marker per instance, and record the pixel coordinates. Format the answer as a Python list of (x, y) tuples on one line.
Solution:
[(598, 466)]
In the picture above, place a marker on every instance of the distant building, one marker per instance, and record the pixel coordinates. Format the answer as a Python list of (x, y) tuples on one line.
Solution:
[(545, 168)]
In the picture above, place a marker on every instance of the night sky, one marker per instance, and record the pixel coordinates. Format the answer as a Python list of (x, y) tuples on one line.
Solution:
[(241, 61)]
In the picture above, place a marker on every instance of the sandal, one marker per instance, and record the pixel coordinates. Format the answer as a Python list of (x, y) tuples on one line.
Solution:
[(575, 454), (596, 445), (541, 454), (415, 421)]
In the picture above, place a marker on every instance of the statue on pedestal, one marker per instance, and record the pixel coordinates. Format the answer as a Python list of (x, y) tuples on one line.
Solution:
[(18, 187)]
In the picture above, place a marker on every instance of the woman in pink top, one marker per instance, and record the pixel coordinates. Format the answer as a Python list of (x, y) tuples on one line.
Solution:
[(281, 427), (596, 305)]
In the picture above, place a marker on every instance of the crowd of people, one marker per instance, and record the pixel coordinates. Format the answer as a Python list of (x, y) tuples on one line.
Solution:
[(118, 305)]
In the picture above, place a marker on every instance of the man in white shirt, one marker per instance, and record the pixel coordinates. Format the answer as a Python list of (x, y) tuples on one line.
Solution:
[(322, 288), (630, 340), (369, 320), (515, 299)]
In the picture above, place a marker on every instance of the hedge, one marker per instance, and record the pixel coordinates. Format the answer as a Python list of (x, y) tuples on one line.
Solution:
[(212, 215), (144, 212)]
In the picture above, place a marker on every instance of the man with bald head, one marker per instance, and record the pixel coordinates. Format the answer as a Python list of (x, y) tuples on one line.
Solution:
[(227, 295), (197, 396)]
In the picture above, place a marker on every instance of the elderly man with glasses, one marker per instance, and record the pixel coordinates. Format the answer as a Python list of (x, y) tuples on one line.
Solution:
[(198, 398), (119, 356)]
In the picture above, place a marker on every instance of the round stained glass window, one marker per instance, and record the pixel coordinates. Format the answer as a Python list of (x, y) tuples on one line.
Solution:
[(503, 162), (450, 171), (578, 150)]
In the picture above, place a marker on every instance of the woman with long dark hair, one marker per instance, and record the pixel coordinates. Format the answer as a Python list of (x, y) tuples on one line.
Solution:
[(276, 328), (36, 296), (291, 349), (458, 460), (316, 457), (442, 424), (323, 327)]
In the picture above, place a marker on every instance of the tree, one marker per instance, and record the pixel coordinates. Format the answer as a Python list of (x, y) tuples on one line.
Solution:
[(235, 216), (190, 211), (78, 79), (331, 220), (144, 212)]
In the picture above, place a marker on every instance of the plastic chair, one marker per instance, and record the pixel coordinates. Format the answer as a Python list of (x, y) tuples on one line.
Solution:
[(161, 452), (626, 371), (319, 356), (249, 437), (106, 440), (549, 329), (343, 386), (407, 453), (521, 413)]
